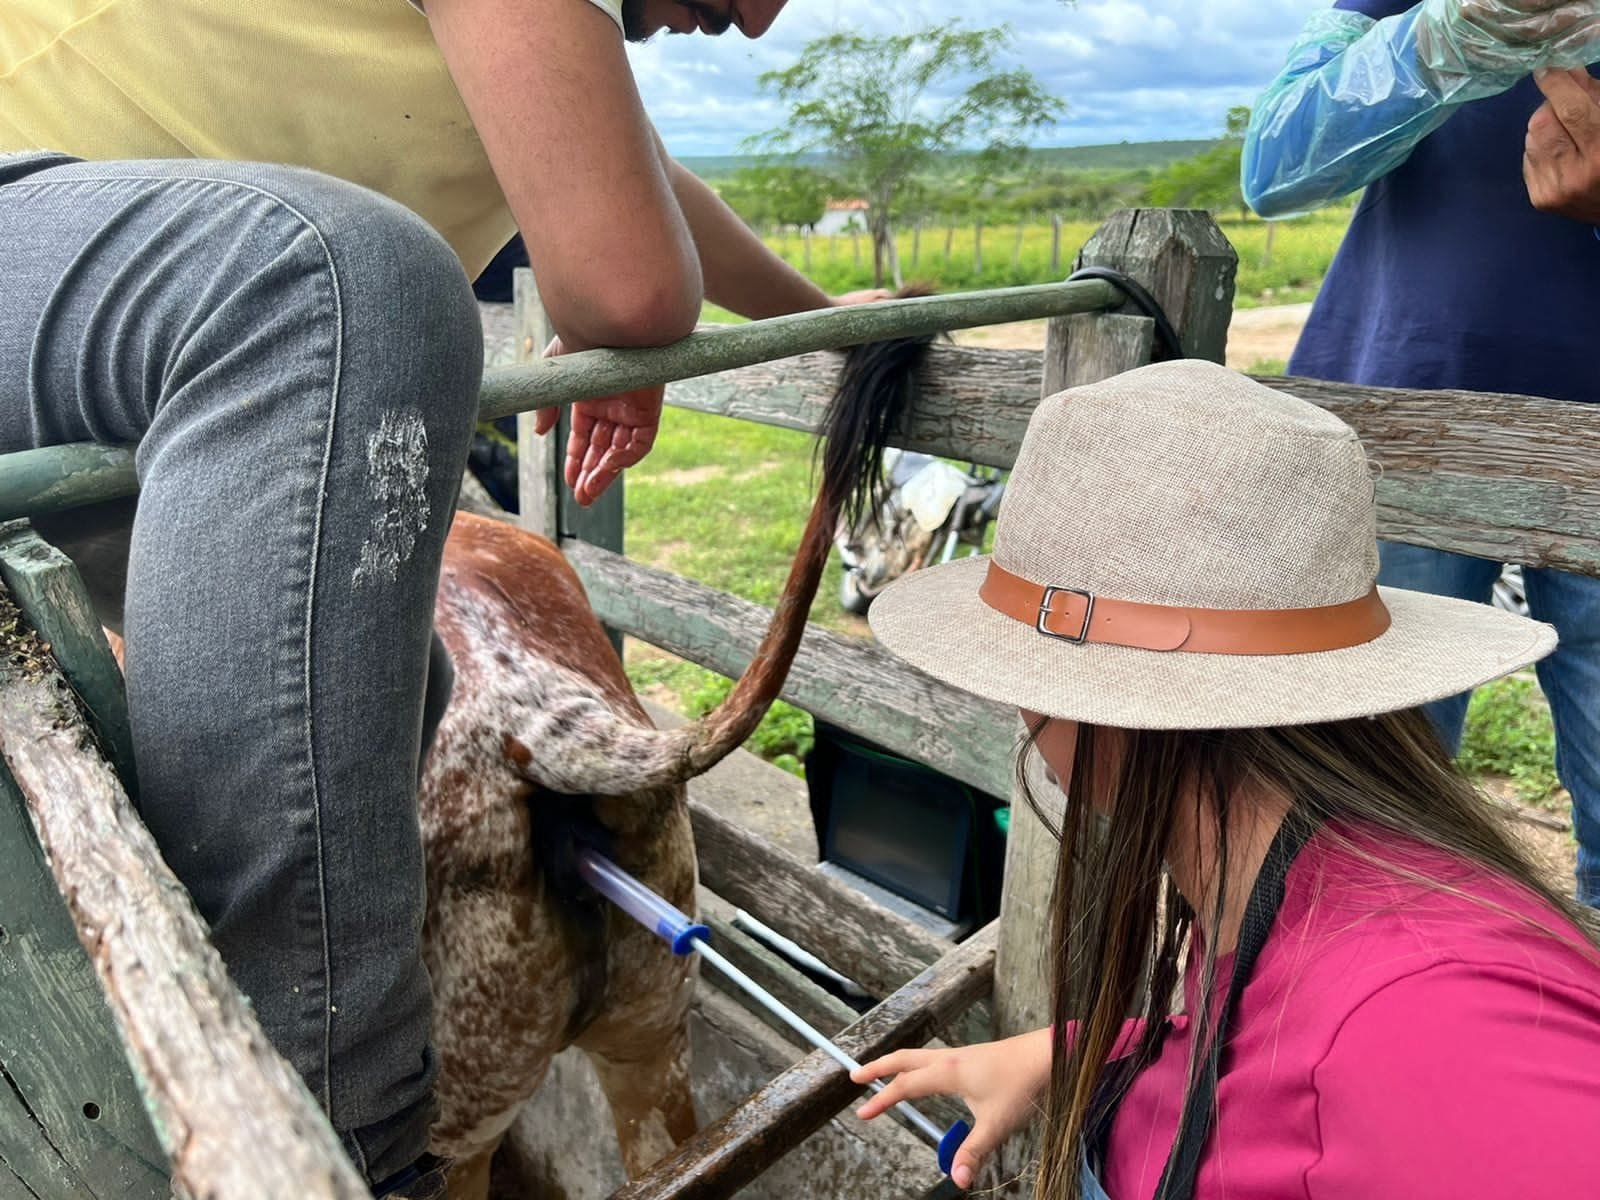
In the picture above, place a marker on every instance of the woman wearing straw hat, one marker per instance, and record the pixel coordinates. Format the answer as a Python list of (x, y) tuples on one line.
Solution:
[(1380, 997)]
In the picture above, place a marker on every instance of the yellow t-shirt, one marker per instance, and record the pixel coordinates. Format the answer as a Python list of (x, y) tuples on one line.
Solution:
[(353, 88)]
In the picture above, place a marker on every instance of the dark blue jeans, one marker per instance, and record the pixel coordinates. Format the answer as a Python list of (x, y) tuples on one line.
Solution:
[(298, 359), (1570, 677)]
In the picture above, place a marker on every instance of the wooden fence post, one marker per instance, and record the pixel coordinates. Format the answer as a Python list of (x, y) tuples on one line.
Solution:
[(916, 243), (545, 502), (949, 241), (805, 247), (1182, 257), (1189, 267), (1055, 245), (1016, 246), (977, 249)]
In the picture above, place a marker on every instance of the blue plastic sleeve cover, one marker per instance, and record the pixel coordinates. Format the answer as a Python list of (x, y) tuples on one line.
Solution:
[(1357, 95)]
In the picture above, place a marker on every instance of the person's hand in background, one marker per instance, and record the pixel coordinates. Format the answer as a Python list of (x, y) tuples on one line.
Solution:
[(1561, 154)]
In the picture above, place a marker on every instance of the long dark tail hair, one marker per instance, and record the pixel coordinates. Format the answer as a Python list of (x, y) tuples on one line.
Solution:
[(877, 389), (1121, 930)]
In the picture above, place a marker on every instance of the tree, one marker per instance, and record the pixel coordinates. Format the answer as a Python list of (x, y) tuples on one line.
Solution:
[(1211, 178), (797, 195), (880, 109)]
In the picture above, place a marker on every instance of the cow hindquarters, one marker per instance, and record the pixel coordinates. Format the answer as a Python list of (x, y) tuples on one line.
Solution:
[(647, 1086)]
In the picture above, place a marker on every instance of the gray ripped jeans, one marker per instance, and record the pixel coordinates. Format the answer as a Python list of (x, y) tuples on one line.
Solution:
[(298, 359)]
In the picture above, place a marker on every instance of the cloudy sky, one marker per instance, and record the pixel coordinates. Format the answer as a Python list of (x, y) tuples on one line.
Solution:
[(1136, 70)]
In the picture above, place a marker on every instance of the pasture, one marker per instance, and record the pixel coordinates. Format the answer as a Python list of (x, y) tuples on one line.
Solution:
[(1301, 250)]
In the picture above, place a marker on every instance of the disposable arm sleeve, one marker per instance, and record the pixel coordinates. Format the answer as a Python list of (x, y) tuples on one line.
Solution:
[(1349, 107), (1357, 95)]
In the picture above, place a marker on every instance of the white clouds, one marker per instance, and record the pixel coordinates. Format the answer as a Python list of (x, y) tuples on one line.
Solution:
[(1122, 23), (1128, 69)]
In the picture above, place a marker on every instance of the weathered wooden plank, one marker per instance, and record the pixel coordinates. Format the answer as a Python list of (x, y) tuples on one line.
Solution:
[(1095, 346), (722, 1158), (71, 1118), (1504, 477), (878, 949), (1478, 473), (11, 1187), (563, 1145), (234, 1119), (973, 403), (854, 684), (30, 1163), (46, 585), (538, 458), (59, 1048), (1499, 476), (820, 1009), (545, 502)]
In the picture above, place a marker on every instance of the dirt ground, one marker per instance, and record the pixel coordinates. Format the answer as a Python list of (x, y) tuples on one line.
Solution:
[(1256, 335)]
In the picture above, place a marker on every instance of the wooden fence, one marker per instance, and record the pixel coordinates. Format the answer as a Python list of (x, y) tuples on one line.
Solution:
[(1504, 476)]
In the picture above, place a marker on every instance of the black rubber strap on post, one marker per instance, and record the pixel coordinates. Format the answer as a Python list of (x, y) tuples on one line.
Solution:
[(1167, 344)]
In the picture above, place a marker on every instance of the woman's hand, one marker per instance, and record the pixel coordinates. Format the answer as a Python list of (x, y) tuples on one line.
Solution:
[(999, 1081)]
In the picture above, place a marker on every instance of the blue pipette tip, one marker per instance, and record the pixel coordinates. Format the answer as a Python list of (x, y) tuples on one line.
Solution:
[(950, 1143), (684, 939)]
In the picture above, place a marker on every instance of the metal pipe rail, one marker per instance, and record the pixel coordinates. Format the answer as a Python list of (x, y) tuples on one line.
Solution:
[(60, 477)]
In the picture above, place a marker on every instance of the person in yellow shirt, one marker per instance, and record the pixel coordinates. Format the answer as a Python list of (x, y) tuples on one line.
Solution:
[(240, 235)]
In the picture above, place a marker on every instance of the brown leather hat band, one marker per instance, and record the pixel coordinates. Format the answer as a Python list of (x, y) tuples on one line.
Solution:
[(1073, 615)]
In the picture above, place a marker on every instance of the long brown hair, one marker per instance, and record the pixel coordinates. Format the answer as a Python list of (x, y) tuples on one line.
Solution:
[(1121, 928)]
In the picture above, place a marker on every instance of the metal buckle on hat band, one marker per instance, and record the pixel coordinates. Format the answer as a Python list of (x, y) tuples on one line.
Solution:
[(1050, 593)]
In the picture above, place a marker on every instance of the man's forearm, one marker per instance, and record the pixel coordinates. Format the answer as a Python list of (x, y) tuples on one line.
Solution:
[(740, 273)]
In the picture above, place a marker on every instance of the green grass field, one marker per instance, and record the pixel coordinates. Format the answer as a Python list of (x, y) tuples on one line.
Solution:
[(1301, 252)]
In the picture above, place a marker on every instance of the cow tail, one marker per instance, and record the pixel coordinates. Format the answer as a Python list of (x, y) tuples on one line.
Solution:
[(877, 389)]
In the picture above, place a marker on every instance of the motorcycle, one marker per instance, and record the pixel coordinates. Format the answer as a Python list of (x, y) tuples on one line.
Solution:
[(1509, 592), (931, 510)]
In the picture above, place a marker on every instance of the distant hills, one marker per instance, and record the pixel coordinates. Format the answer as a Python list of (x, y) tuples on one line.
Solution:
[(1119, 156)]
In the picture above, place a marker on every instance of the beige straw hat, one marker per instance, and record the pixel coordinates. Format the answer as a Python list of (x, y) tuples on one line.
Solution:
[(1183, 548)]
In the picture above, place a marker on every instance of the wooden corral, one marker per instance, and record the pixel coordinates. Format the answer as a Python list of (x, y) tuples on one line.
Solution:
[(102, 956)]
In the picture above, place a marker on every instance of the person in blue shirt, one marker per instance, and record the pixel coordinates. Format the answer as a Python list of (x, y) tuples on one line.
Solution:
[(1472, 261)]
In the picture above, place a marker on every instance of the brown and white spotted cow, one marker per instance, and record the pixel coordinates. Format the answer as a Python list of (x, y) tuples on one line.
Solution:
[(543, 745)]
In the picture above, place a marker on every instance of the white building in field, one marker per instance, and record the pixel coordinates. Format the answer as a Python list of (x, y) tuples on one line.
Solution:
[(840, 216)]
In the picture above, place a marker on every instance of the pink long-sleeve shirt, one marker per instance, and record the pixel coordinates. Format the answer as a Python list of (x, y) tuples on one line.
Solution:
[(1393, 1042)]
